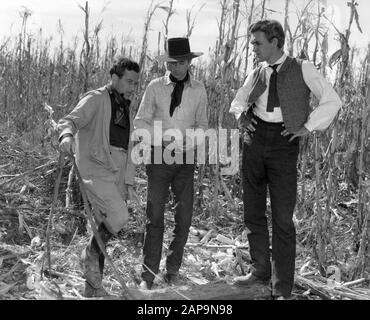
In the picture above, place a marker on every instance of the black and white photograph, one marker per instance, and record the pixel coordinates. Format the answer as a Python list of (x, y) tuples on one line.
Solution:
[(185, 155)]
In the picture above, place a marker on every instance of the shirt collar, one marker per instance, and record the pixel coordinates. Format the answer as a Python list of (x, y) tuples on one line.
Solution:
[(168, 81), (279, 61)]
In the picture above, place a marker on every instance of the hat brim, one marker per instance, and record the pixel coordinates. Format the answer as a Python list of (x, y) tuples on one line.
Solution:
[(166, 58)]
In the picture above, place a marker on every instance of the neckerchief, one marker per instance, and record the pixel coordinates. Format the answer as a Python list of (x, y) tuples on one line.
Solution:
[(176, 94), (122, 110)]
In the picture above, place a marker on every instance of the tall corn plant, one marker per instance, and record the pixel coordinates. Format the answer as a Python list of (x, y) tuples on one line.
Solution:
[(223, 85), (214, 91), (190, 21), (321, 227), (250, 13), (170, 12), (302, 34), (212, 77), (263, 9), (288, 33), (344, 79), (86, 52), (363, 223), (23, 61), (144, 46)]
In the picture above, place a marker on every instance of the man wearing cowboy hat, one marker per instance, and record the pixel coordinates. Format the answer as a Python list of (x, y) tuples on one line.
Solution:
[(172, 102)]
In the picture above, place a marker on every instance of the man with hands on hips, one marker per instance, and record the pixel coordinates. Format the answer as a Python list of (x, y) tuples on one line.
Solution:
[(273, 108)]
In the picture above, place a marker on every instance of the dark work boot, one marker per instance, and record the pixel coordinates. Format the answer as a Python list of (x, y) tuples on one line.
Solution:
[(92, 264), (172, 278), (101, 263), (105, 235)]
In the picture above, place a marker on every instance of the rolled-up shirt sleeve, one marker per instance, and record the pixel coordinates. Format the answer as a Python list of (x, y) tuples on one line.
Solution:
[(329, 101)]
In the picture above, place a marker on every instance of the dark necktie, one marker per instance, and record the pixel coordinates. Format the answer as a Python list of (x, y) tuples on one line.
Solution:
[(273, 98), (176, 95)]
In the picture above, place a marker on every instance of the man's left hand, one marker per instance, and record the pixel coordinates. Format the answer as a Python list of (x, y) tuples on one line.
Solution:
[(300, 133), (132, 195)]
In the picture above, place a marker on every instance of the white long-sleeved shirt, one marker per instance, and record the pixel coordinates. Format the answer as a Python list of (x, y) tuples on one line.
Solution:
[(155, 106), (319, 119)]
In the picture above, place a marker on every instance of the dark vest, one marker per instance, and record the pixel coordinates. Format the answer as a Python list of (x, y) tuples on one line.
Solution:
[(294, 94)]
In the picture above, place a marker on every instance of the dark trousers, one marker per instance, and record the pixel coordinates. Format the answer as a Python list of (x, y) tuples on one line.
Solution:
[(160, 177), (270, 161)]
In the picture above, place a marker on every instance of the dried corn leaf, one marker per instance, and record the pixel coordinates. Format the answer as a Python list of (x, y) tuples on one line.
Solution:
[(224, 239), (199, 281), (357, 20), (47, 293), (207, 236), (226, 263), (335, 58), (215, 269), (167, 9), (4, 288)]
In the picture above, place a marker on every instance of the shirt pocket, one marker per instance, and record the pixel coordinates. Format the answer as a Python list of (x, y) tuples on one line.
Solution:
[(162, 107)]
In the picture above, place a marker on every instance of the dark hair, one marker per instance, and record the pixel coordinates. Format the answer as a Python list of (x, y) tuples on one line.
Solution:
[(120, 64), (272, 29)]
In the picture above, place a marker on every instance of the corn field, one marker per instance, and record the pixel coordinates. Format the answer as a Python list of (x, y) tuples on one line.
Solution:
[(40, 83)]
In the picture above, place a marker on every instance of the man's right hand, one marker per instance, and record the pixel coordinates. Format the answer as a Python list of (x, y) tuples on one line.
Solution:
[(66, 145), (246, 122)]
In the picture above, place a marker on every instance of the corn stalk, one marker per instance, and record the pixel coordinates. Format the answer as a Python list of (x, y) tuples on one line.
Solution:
[(263, 3), (170, 11), (69, 189), (343, 79), (319, 214), (190, 22), (322, 235), (364, 184), (226, 79), (22, 85), (144, 45), (288, 32), (87, 47), (221, 26), (301, 29), (250, 18)]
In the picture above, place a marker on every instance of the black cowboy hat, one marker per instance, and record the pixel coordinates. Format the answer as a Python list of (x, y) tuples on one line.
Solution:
[(178, 49)]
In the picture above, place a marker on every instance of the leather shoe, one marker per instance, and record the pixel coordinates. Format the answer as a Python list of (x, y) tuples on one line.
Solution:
[(172, 278), (91, 292), (249, 280)]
